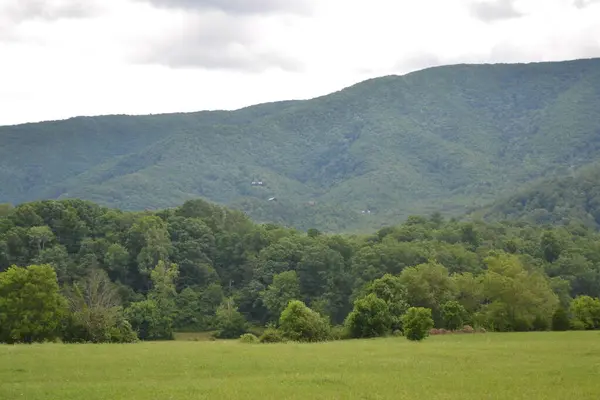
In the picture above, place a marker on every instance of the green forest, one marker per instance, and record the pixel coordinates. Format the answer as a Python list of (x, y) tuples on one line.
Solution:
[(80, 272), (451, 139)]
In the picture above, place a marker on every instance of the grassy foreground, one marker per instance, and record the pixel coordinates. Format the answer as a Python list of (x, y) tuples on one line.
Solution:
[(491, 366)]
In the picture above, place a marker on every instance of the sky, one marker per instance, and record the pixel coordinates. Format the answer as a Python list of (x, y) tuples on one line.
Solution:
[(66, 58)]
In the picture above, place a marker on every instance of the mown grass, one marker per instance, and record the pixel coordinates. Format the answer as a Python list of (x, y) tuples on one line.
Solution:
[(486, 366)]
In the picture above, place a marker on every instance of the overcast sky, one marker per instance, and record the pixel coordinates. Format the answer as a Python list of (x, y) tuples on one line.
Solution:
[(63, 58)]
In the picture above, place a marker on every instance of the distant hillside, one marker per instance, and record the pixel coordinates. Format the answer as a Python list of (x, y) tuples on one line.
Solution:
[(447, 138), (573, 198)]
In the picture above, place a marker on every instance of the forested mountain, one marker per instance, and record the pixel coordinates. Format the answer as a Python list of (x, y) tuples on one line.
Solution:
[(201, 267), (574, 198), (447, 138)]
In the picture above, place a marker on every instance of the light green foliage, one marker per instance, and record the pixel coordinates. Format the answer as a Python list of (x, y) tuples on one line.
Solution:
[(428, 285), (417, 322), (271, 335), (454, 315), (443, 138), (300, 323), (370, 318), (516, 298), (31, 307), (586, 310), (338, 370), (285, 287), (39, 236), (248, 338)]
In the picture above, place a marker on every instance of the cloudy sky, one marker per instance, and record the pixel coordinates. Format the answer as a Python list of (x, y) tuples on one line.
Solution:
[(63, 58)]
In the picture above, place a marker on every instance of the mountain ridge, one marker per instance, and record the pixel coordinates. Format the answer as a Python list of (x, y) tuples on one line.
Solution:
[(446, 138)]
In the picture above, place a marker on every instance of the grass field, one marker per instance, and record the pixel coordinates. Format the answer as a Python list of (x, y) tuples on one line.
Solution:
[(486, 366)]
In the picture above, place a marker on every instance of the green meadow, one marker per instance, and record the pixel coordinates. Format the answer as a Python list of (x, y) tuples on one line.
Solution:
[(546, 365)]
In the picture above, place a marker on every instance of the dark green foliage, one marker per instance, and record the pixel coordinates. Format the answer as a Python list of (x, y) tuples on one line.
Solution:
[(572, 198), (31, 307), (230, 323), (370, 318), (207, 253), (300, 323), (390, 289), (560, 320), (148, 321), (417, 322), (445, 138)]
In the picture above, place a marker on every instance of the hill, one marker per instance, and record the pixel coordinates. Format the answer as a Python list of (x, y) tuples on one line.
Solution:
[(446, 138), (574, 198)]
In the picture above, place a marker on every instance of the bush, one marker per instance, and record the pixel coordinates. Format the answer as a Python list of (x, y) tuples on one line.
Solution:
[(587, 310), (248, 338), (338, 333), (417, 322), (98, 326), (577, 325), (454, 315), (301, 324), (271, 335), (370, 318), (467, 329), (230, 323), (560, 320)]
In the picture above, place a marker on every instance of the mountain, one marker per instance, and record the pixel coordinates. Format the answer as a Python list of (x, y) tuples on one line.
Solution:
[(447, 138), (574, 198)]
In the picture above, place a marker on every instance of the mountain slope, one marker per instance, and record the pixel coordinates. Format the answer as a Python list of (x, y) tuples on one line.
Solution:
[(446, 138), (572, 198)]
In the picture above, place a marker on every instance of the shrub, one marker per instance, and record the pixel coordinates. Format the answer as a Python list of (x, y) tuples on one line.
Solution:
[(370, 318), (577, 325), (560, 320), (271, 335), (417, 322), (248, 338), (587, 310), (230, 322), (300, 323), (454, 315), (467, 329), (338, 333)]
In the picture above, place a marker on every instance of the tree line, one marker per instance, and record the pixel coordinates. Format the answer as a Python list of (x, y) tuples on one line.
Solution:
[(80, 272)]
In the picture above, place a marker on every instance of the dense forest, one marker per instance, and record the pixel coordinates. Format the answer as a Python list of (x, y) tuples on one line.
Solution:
[(82, 272), (559, 200), (446, 139)]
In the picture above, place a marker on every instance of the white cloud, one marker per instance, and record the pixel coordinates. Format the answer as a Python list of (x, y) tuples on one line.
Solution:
[(60, 59)]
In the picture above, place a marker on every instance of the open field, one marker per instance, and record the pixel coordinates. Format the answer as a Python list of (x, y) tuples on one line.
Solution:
[(487, 366)]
